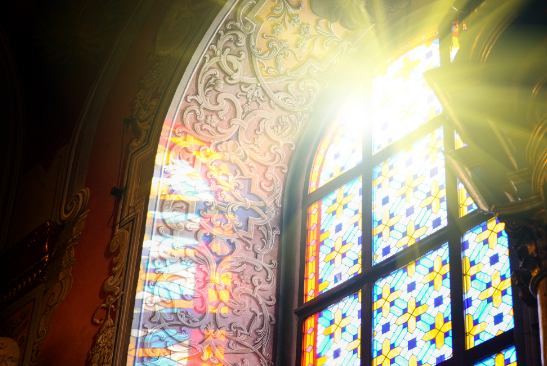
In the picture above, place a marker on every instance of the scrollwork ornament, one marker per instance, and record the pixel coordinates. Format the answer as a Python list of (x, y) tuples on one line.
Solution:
[(103, 343), (216, 232)]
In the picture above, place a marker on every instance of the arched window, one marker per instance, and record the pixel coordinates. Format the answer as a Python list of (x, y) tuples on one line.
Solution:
[(399, 266)]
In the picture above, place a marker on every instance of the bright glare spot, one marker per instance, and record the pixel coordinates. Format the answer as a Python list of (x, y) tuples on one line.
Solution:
[(356, 117)]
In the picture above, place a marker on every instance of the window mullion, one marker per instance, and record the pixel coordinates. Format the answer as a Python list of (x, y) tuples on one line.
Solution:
[(520, 342), (299, 336), (408, 140), (366, 171), (456, 295), (366, 226), (366, 325)]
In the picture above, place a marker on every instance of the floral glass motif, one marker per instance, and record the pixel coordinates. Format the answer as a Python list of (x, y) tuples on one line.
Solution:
[(401, 99), (333, 336), (506, 357), (408, 196), (412, 313), (467, 205), (333, 253), (340, 149), (488, 301)]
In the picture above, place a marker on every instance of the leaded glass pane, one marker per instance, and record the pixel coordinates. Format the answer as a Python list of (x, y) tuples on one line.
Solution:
[(458, 142), (333, 336), (467, 205), (409, 196), (401, 99), (340, 149), (455, 46), (333, 253), (488, 301), (412, 313), (507, 357)]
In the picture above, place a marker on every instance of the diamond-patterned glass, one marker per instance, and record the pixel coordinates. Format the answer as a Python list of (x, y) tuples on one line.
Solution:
[(506, 357), (333, 336), (409, 196), (333, 253), (412, 313), (488, 301)]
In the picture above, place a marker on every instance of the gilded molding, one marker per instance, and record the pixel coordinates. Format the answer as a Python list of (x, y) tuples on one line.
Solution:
[(9, 352), (103, 344), (24, 266), (59, 281)]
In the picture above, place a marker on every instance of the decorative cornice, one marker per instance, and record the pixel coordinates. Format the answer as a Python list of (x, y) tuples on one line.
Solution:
[(24, 266)]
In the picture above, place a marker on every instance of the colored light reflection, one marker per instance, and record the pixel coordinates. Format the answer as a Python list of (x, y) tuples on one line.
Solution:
[(187, 260)]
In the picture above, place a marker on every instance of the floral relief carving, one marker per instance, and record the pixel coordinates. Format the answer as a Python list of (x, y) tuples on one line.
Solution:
[(207, 285)]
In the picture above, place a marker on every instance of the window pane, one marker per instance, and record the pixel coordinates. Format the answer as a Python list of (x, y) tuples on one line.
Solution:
[(333, 336), (409, 196), (507, 357), (458, 142), (412, 313), (340, 149), (401, 99), (455, 47), (488, 301), (333, 253), (467, 205)]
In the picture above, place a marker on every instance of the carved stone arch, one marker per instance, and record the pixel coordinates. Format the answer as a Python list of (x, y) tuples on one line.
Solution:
[(175, 59)]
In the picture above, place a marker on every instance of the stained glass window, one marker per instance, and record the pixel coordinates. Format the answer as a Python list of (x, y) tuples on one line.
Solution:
[(401, 99), (409, 196), (333, 252), (333, 336), (412, 313), (488, 301), (340, 149), (412, 309), (506, 357)]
